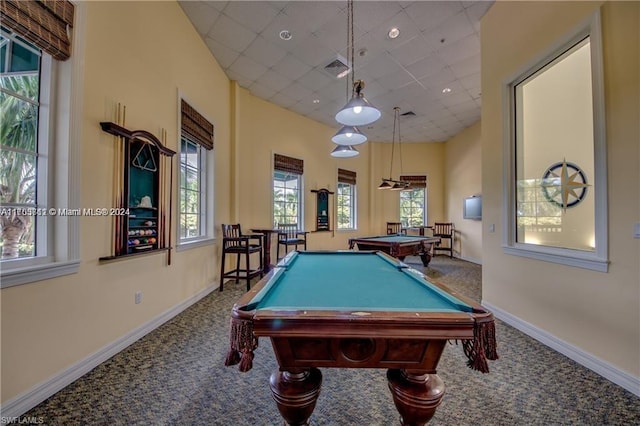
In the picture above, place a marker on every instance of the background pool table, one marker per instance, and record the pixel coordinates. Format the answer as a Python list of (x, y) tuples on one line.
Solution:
[(398, 246), (352, 309)]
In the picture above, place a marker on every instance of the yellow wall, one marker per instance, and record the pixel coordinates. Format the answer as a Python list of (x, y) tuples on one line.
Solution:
[(463, 177), (596, 312), (138, 54)]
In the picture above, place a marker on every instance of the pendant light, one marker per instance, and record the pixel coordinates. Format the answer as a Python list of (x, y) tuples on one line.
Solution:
[(349, 135), (358, 111), (390, 183), (344, 151)]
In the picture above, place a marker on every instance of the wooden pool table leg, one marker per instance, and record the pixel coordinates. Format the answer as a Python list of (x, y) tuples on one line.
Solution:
[(426, 258), (296, 392), (416, 395)]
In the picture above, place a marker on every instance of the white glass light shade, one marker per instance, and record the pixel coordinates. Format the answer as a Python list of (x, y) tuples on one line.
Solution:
[(344, 151), (358, 112), (349, 135)]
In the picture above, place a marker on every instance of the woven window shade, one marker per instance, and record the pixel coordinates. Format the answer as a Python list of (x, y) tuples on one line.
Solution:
[(45, 23), (415, 181), (195, 127), (282, 163), (346, 176)]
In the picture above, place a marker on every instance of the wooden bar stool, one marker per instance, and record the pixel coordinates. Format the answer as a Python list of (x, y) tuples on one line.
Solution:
[(234, 242)]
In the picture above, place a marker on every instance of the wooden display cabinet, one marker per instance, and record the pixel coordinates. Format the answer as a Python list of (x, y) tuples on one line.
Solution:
[(143, 191)]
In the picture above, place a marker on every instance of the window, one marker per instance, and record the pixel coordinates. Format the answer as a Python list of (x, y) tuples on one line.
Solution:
[(346, 199), (287, 190), (196, 178), (557, 200), (40, 157), (23, 160), (413, 201), (412, 207)]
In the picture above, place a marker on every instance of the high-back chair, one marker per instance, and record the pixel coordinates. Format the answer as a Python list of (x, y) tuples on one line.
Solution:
[(395, 228), (444, 230), (235, 242), (290, 235)]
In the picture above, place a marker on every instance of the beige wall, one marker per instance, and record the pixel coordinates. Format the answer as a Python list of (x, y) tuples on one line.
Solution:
[(593, 311), (463, 177), (141, 62)]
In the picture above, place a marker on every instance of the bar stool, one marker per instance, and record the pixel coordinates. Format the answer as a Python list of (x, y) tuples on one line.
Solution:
[(235, 242)]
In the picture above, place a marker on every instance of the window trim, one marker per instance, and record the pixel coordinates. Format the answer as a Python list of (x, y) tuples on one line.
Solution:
[(301, 204), (597, 260), (353, 209), (424, 206), (63, 257), (207, 174)]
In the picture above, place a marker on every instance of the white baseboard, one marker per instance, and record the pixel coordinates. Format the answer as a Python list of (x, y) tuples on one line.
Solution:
[(603, 368), (38, 393), (471, 259)]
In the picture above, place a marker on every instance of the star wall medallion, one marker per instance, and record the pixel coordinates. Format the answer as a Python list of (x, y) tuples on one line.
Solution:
[(564, 184)]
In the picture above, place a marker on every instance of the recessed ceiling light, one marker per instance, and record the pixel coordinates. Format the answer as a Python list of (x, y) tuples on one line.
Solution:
[(316, 101), (446, 90), (393, 33), (285, 35)]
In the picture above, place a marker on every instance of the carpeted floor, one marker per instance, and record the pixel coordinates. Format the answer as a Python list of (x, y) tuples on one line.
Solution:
[(176, 376)]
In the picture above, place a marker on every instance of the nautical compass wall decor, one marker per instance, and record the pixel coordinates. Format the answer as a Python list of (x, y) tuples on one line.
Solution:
[(564, 184)]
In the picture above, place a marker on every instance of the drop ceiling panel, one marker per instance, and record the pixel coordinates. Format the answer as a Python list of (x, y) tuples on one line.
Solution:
[(409, 71)]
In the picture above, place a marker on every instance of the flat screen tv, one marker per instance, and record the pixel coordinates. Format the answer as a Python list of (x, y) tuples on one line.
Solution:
[(472, 208)]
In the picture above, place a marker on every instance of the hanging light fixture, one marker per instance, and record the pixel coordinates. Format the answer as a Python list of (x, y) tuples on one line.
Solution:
[(349, 135), (358, 111), (344, 151), (390, 183)]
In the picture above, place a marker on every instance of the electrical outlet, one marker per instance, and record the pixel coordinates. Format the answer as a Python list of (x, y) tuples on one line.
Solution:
[(492, 228), (138, 297)]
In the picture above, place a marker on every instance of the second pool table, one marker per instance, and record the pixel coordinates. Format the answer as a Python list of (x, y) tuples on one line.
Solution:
[(398, 246), (356, 309)]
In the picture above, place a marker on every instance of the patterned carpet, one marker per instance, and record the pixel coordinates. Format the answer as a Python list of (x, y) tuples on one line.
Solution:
[(175, 376)]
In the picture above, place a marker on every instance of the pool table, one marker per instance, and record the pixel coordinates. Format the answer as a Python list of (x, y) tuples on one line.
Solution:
[(356, 309), (398, 246)]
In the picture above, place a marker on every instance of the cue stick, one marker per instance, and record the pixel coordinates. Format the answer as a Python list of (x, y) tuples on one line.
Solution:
[(170, 160), (161, 207)]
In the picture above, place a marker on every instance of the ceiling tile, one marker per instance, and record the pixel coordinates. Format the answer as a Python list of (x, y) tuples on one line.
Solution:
[(425, 67), (261, 91), (460, 50), (248, 68), (224, 55), (297, 92), (430, 14), (254, 15), (264, 52), (291, 67), (274, 80), (453, 29), (466, 67), (315, 80), (231, 34)]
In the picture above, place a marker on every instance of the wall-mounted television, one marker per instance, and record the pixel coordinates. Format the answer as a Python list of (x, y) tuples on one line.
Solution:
[(472, 208)]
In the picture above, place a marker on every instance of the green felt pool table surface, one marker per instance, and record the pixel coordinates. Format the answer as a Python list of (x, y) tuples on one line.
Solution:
[(368, 281)]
